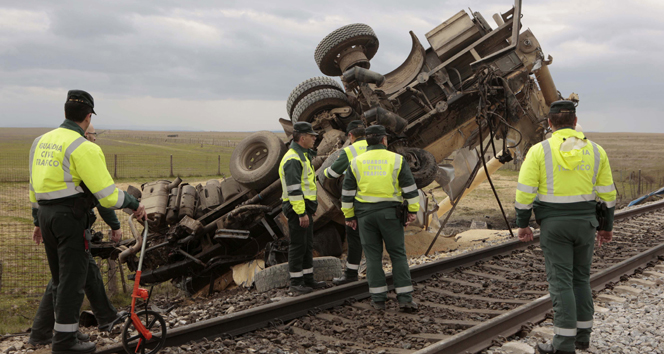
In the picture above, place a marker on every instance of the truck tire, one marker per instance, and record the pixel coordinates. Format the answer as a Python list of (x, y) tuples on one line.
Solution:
[(255, 160), (422, 164), (308, 86), (316, 102), (325, 268), (343, 38)]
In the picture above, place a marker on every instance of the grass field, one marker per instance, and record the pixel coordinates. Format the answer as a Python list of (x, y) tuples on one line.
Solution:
[(139, 153), (145, 156)]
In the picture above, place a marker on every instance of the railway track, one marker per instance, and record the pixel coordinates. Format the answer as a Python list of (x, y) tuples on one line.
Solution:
[(466, 302)]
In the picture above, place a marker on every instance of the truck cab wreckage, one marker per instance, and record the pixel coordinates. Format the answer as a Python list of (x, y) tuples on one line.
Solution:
[(472, 83)]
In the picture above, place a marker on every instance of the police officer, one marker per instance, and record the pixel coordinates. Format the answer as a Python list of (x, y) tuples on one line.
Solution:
[(298, 183), (42, 326), (68, 176), (376, 184), (358, 146), (560, 179)]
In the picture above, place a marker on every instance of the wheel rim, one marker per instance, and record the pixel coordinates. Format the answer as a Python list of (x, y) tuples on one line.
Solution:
[(254, 157), (154, 323)]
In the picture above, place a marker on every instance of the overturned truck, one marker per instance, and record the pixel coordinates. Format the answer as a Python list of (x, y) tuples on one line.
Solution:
[(473, 83)]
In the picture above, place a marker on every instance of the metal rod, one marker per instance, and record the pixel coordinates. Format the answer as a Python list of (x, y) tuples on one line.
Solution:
[(145, 241)]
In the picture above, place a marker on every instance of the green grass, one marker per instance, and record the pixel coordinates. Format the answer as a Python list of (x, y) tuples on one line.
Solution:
[(139, 154), (17, 313)]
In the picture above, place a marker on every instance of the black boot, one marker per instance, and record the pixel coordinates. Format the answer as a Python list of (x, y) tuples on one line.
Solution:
[(345, 279), (300, 289), (378, 305), (79, 335), (408, 306), (78, 348), (315, 284), (83, 337), (582, 345), (547, 348)]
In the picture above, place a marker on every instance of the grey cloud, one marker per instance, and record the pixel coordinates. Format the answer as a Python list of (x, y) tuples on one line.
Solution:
[(84, 25), (114, 47)]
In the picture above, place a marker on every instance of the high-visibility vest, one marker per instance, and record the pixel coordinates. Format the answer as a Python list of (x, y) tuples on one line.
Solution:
[(376, 173), (307, 184), (566, 168), (60, 160), (352, 151)]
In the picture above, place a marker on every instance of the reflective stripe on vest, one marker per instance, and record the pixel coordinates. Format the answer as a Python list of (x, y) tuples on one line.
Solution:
[(372, 187), (305, 185), (356, 149)]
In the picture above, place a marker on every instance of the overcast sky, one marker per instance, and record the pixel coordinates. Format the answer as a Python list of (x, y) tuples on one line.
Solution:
[(230, 65)]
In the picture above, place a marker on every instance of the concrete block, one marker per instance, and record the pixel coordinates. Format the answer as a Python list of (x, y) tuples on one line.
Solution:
[(517, 348), (543, 332), (609, 298), (628, 290), (642, 282), (651, 273), (600, 309)]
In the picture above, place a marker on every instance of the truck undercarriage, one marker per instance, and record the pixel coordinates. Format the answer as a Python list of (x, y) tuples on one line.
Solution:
[(472, 81)]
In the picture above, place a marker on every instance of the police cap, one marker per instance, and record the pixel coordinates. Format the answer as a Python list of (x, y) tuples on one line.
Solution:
[(376, 130), (304, 127), (82, 97), (562, 106), (354, 124)]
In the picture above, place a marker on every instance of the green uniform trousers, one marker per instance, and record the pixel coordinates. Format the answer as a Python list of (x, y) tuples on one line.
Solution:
[(68, 259), (568, 243), (300, 249), (354, 251), (375, 228), (105, 312)]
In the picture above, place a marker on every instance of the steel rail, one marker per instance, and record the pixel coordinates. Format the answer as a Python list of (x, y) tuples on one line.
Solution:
[(479, 337), (272, 314)]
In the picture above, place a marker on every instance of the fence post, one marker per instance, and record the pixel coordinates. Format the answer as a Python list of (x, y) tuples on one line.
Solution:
[(171, 165), (639, 190), (115, 167), (112, 279), (218, 165)]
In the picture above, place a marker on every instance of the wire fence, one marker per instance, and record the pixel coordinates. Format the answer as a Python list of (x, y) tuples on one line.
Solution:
[(15, 167)]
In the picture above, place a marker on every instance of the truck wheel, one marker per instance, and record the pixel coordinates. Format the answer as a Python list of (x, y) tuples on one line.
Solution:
[(308, 86), (277, 276), (255, 160), (316, 102), (343, 38), (422, 164)]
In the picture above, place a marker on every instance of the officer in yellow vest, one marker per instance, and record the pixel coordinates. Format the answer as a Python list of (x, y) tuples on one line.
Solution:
[(560, 179), (358, 146), (376, 184), (68, 177), (41, 332), (298, 185)]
